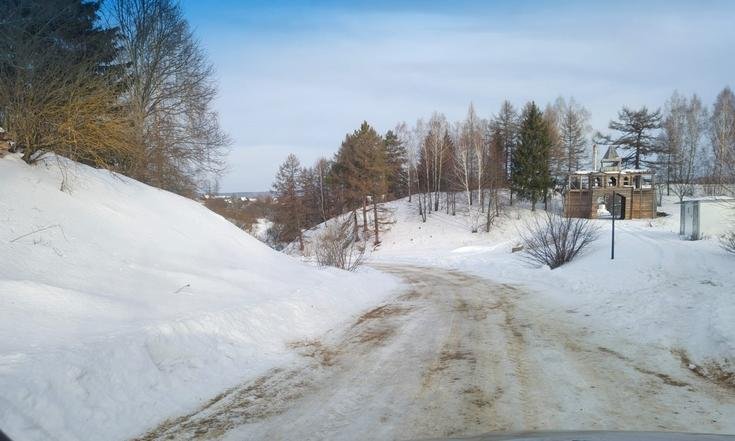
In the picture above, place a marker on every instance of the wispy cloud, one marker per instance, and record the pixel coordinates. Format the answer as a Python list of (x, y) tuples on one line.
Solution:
[(301, 78)]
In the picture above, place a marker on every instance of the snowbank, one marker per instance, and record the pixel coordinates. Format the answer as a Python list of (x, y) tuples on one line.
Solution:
[(122, 304), (659, 290)]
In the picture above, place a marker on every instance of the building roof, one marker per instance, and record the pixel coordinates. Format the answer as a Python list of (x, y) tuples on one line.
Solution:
[(611, 154)]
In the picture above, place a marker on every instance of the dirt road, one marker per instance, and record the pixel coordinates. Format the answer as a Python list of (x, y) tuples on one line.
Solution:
[(459, 355)]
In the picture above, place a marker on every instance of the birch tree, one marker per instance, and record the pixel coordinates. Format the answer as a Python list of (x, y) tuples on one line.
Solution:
[(722, 138)]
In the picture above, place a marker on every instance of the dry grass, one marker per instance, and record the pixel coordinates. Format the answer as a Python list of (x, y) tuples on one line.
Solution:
[(720, 373)]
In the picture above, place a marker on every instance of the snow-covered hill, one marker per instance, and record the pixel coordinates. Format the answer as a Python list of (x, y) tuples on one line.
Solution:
[(121, 304)]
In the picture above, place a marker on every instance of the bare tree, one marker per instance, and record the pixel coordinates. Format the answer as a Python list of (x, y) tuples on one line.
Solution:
[(468, 135), (169, 90), (574, 130), (557, 155), (684, 127), (722, 138)]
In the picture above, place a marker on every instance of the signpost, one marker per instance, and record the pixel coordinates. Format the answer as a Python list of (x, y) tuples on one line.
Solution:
[(612, 250)]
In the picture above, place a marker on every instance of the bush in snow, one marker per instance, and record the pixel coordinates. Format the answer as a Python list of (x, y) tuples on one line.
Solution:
[(554, 240), (728, 242), (336, 246)]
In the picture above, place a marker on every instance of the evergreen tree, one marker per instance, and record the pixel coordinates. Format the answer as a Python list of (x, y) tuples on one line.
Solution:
[(530, 166), (59, 83), (636, 128), (395, 160), (289, 213), (360, 168)]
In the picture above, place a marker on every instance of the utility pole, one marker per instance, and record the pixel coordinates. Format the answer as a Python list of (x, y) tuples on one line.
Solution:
[(612, 250)]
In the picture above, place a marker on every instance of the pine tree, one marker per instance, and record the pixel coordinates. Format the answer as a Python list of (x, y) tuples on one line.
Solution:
[(530, 166), (636, 128), (505, 128), (395, 159), (289, 213), (360, 168)]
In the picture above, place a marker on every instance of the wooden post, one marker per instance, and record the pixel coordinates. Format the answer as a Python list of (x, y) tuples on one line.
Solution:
[(612, 250)]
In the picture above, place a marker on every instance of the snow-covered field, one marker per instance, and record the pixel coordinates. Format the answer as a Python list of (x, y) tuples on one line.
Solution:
[(659, 290), (121, 304)]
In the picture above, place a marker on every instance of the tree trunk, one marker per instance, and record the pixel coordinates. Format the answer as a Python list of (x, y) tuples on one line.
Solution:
[(546, 200), (409, 183), (364, 218), (356, 230), (376, 223), (489, 214)]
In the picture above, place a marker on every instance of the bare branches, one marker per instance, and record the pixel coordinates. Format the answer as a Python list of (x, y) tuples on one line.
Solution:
[(336, 246), (59, 86), (728, 242), (554, 240), (168, 91)]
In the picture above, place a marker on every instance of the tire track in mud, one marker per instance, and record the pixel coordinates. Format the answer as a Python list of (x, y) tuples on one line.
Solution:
[(278, 389), (453, 355)]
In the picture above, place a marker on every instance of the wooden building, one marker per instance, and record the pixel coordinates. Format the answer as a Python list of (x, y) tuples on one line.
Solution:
[(590, 194)]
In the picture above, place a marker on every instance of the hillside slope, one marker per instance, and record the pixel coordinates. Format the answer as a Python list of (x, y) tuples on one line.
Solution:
[(122, 304)]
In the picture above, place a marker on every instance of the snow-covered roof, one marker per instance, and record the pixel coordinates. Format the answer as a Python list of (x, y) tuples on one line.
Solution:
[(708, 199), (614, 172), (635, 171)]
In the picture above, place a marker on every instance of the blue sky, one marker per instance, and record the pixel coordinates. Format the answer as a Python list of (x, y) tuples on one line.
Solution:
[(297, 76)]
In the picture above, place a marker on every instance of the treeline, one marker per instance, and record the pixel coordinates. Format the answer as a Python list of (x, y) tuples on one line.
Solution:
[(121, 84), (367, 169), (530, 153)]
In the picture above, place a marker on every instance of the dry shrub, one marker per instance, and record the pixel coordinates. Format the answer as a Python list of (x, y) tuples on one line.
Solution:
[(337, 246), (554, 240), (728, 242)]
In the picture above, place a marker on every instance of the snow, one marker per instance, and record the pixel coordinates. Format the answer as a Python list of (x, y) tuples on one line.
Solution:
[(659, 290), (122, 305)]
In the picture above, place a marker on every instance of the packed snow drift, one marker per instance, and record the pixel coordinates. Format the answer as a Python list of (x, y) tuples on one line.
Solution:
[(122, 305)]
